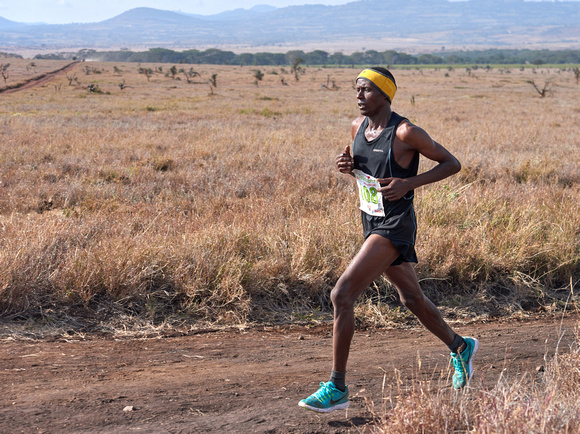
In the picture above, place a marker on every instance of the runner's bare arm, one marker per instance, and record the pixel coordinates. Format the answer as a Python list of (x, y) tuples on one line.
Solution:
[(344, 161), (416, 139), (356, 125)]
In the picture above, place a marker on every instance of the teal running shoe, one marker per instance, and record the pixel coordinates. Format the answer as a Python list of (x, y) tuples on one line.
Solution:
[(326, 399), (463, 363)]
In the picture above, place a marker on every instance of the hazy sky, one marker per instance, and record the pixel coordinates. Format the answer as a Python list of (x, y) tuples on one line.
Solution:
[(85, 11)]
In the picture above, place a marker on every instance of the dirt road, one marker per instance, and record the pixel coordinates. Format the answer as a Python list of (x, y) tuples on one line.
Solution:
[(235, 381), (39, 81)]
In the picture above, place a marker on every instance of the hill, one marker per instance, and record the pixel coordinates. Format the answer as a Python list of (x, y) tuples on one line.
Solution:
[(7, 24), (373, 23)]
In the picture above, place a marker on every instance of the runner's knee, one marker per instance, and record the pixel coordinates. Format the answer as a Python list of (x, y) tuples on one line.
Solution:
[(341, 295), (413, 301)]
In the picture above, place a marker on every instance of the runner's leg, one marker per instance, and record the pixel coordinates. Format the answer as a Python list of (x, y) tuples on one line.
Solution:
[(403, 277), (374, 257)]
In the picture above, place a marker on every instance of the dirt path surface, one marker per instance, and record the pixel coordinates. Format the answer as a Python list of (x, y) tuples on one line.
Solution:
[(39, 81), (236, 381)]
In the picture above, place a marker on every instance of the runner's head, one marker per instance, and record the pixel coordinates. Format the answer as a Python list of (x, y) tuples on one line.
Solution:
[(382, 79)]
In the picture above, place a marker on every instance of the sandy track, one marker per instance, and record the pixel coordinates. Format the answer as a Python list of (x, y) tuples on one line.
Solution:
[(232, 381), (39, 81)]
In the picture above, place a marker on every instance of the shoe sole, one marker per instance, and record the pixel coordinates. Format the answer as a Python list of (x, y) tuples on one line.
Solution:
[(473, 353), (342, 406)]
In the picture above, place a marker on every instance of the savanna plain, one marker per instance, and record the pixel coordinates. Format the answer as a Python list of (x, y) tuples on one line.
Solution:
[(169, 238)]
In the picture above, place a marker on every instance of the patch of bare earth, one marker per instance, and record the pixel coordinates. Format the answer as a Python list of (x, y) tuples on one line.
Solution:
[(239, 381)]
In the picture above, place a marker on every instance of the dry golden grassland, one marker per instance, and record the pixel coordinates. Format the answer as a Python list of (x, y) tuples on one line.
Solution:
[(521, 403), (163, 200)]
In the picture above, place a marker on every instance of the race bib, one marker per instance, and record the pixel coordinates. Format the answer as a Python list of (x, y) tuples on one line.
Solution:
[(371, 200)]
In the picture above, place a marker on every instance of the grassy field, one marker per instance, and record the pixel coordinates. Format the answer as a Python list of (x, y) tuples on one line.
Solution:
[(516, 403), (159, 198)]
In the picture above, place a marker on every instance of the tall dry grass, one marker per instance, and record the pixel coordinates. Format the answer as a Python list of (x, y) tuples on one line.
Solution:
[(166, 200), (541, 401)]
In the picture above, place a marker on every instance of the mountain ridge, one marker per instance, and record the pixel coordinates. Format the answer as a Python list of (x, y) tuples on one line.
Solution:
[(485, 23)]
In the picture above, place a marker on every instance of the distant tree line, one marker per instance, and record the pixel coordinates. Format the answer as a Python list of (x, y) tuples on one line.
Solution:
[(215, 56), (10, 55)]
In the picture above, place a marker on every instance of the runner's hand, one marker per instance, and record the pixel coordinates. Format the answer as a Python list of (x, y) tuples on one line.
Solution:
[(393, 188), (344, 161)]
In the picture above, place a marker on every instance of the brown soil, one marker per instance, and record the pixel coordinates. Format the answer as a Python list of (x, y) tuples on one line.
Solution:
[(237, 381)]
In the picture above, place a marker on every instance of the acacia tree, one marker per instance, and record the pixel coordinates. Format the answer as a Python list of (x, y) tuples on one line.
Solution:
[(296, 68), (328, 84), (190, 74), (544, 91), (71, 78), (173, 71), (258, 75), (4, 71), (213, 80), (148, 72)]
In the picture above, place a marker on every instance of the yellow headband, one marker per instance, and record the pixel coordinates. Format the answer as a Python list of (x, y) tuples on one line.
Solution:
[(385, 84)]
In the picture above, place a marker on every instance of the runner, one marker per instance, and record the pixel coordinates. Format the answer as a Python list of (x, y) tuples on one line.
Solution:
[(385, 162)]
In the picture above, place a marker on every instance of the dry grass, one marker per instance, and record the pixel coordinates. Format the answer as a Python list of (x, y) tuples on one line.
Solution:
[(170, 201), (544, 401)]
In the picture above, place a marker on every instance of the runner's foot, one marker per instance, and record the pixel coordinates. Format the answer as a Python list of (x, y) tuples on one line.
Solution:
[(462, 363), (326, 399)]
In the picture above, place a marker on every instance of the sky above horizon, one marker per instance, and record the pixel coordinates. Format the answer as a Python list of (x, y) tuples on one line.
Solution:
[(89, 11)]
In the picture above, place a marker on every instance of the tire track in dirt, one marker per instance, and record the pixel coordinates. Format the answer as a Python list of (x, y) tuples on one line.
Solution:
[(39, 80)]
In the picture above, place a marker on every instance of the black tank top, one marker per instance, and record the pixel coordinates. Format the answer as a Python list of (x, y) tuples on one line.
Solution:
[(376, 158)]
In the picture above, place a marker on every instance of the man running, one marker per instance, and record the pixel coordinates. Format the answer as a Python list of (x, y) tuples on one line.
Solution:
[(385, 162)]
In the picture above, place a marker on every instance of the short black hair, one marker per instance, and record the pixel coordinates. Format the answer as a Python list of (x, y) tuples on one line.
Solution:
[(384, 71)]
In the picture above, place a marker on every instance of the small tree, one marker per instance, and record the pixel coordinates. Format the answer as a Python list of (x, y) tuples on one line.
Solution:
[(296, 68), (189, 75), (544, 91), (4, 71), (213, 80), (258, 75), (173, 71), (330, 84), (148, 72), (576, 72), (212, 83), (71, 78)]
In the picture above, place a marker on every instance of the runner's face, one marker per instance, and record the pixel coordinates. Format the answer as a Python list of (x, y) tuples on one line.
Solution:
[(370, 100)]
